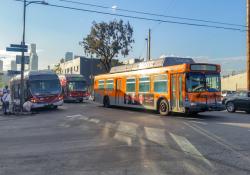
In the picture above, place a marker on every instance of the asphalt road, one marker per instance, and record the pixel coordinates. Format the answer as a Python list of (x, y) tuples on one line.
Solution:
[(89, 139)]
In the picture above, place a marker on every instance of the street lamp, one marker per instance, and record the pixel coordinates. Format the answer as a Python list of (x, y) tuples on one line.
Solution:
[(25, 4)]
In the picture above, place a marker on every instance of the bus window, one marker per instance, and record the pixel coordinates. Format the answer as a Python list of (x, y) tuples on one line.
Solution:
[(110, 84), (101, 84), (144, 84), (160, 83), (130, 85)]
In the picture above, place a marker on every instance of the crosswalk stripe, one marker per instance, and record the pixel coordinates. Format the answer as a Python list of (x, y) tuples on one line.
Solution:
[(123, 138), (156, 135), (189, 148), (127, 127)]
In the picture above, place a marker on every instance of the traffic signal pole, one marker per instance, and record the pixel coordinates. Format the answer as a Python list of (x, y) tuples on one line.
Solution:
[(248, 45)]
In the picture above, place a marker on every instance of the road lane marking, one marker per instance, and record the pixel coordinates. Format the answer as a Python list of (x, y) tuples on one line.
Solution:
[(242, 125), (93, 120), (217, 140), (84, 118), (74, 116), (198, 122), (156, 135), (188, 148), (128, 128), (64, 125)]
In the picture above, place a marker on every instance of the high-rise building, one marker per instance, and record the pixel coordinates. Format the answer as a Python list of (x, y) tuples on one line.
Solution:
[(33, 58), (68, 56), (1, 66), (13, 65)]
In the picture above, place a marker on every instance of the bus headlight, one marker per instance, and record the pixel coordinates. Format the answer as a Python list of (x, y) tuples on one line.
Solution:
[(60, 97), (33, 100)]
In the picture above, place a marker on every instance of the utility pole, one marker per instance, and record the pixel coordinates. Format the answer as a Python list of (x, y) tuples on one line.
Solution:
[(149, 44), (147, 49), (22, 60), (248, 45)]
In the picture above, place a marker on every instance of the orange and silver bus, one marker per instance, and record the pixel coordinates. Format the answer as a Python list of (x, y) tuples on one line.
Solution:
[(166, 85)]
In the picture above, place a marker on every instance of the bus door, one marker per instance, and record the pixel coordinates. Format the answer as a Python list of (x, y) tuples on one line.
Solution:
[(118, 91), (177, 88)]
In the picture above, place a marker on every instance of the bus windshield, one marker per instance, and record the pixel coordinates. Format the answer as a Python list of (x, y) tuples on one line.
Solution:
[(45, 87), (199, 82), (77, 86)]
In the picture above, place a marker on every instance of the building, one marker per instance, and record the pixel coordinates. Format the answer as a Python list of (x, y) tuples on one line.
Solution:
[(33, 58), (1, 66), (13, 65), (1, 74), (234, 82), (82, 65), (68, 56), (132, 61)]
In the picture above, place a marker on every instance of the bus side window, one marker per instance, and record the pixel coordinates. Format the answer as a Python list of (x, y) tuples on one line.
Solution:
[(130, 85), (144, 84), (161, 83), (101, 84), (110, 84)]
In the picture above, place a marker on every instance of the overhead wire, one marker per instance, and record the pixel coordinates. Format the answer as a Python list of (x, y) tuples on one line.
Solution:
[(152, 14), (141, 18)]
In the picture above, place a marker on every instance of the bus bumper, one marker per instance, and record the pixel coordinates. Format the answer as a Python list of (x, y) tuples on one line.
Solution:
[(76, 98), (200, 107), (41, 105)]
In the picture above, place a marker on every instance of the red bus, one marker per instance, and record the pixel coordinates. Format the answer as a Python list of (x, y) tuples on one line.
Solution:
[(74, 87), (41, 88)]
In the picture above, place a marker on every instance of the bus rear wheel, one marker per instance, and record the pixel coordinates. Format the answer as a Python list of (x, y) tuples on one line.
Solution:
[(106, 102), (163, 108)]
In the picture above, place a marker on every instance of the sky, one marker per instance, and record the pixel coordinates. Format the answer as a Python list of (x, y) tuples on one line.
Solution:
[(56, 30)]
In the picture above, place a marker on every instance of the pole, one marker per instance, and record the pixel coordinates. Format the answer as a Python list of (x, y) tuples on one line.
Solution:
[(248, 45), (22, 60), (149, 45), (91, 69), (147, 49)]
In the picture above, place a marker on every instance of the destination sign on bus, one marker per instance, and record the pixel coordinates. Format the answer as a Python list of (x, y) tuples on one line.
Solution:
[(203, 67)]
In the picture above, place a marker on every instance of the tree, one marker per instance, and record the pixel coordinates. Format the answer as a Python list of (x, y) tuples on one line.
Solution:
[(108, 40), (57, 69)]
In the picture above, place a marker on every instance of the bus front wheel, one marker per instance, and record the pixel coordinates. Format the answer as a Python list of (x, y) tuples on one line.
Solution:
[(163, 107)]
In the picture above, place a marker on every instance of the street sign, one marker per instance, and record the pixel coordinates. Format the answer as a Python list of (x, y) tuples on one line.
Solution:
[(19, 46), (16, 49), (13, 72), (19, 58)]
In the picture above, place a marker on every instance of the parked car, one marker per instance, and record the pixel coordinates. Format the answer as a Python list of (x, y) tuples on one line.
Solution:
[(227, 93), (239, 101)]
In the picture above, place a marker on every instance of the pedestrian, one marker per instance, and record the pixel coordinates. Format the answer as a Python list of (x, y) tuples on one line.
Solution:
[(6, 101)]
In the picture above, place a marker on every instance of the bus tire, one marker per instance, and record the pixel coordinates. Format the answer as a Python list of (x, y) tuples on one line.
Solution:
[(163, 107), (106, 102)]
